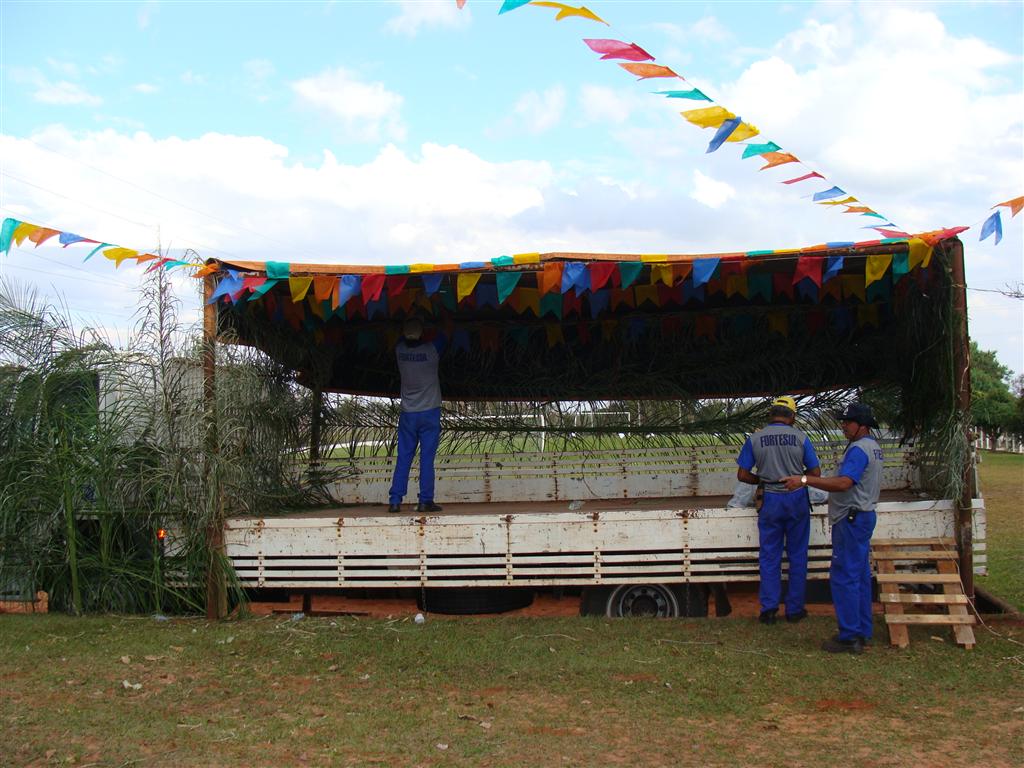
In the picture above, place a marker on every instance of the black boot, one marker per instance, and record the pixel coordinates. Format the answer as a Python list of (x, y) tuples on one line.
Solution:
[(835, 645), (428, 506), (394, 508)]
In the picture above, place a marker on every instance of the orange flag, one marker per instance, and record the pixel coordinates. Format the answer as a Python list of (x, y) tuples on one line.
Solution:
[(645, 71), (778, 158), (41, 235), (1015, 205)]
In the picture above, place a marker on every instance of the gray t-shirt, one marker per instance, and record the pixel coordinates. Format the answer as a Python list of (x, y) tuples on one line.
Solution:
[(778, 450), (417, 365), (862, 462)]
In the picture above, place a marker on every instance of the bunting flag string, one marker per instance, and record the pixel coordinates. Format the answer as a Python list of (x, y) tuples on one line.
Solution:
[(728, 126)]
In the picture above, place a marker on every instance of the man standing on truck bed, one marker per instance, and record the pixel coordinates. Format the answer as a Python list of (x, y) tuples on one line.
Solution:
[(420, 419), (853, 495), (784, 518)]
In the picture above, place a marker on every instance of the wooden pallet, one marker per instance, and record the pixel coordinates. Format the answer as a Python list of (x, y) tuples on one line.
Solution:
[(939, 553)]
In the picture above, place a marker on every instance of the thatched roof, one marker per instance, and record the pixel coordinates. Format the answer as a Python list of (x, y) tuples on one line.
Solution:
[(749, 329)]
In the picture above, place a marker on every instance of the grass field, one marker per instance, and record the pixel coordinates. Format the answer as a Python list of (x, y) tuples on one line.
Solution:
[(1001, 477), (113, 691)]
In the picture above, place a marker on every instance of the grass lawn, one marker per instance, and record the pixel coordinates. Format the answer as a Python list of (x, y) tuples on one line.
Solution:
[(1001, 477), (498, 692), (114, 691)]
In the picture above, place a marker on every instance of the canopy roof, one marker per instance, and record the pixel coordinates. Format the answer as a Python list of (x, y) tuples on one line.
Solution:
[(577, 326)]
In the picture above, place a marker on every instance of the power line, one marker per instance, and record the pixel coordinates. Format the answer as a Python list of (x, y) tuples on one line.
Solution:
[(110, 213), (187, 207)]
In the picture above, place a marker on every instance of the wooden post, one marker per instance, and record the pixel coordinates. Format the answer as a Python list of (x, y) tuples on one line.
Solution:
[(216, 593), (962, 381), (314, 429)]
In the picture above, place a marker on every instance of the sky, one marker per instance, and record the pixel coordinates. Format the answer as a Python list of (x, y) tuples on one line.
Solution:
[(411, 132)]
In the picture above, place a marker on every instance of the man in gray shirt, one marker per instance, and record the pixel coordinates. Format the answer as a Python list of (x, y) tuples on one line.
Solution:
[(420, 420), (853, 495), (778, 450)]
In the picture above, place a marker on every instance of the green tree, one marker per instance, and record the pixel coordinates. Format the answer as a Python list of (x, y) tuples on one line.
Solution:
[(993, 406)]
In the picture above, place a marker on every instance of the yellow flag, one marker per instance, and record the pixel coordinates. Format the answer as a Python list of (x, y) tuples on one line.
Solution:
[(564, 11), (647, 293), (875, 268), (920, 253), (708, 117), (653, 258), (467, 283), (22, 231), (117, 255), (662, 273), (743, 132), (778, 322), (299, 287), (529, 299), (844, 201), (554, 333), (867, 314), (853, 286), (525, 258), (416, 268)]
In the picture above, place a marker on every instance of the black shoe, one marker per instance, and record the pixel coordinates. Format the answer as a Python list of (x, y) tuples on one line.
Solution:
[(865, 641), (768, 617), (428, 506), (793, 618), (835, 645), (395, 508)]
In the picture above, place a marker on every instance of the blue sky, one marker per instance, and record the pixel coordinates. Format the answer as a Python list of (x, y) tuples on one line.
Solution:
[(371, 132)]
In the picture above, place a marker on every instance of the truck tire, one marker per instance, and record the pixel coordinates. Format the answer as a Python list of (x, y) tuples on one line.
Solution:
[(466, 601), (648, 600)]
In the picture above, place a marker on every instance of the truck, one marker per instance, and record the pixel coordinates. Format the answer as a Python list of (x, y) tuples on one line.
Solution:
[(639, 527)]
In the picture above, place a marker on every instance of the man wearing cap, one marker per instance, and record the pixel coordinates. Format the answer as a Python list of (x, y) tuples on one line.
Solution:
[(853, 495), (784, 518), (420, 418)]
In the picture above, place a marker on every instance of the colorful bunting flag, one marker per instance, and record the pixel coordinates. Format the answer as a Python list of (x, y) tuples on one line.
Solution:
[(811, 175), (550, 279), (694, 94), (600, 273), (828, 194), (565, 11), (507, 282), (431, 283), (759, 149), (1015, 205), (703, 269), (466, 283), (648, 71), (708, 117), (616, 49), (725, 130), (629, 271), (993, 225), (875, 266), (777, 158)]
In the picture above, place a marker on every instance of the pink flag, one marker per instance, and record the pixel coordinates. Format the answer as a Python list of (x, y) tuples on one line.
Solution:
[(616, 49)]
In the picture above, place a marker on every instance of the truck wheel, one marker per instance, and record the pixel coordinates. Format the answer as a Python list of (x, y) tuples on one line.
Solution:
[(466, 601), (656, 600)]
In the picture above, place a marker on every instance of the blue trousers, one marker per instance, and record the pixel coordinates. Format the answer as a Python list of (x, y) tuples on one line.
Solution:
[(422, 428), (784, 520), (851, 575)]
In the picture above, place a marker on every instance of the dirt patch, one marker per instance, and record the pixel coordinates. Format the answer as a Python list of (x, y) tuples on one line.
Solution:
[(832, 705)]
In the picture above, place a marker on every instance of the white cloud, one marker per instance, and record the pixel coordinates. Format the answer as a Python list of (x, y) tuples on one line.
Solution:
[(707, 191), (539, 112), (188, 77), (707, 29), (66, 68), (600, 104), (145, 88), (62, 92), (147, 11), (367, 111), (415, 14)]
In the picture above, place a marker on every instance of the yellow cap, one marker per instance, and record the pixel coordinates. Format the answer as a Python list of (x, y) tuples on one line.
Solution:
[(786, 402)]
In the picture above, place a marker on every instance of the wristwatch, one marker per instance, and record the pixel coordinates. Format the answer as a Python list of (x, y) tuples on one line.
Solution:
[(803, 479)]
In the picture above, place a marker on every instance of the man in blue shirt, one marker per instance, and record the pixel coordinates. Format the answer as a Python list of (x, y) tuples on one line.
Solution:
[(420, 419), (784, 518), (853, 496)]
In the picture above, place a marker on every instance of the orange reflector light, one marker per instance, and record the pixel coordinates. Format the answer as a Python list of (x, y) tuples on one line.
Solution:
[(161, 534)]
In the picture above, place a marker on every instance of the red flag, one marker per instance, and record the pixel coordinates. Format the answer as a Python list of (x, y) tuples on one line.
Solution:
[(600, 274), (808, 266)]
